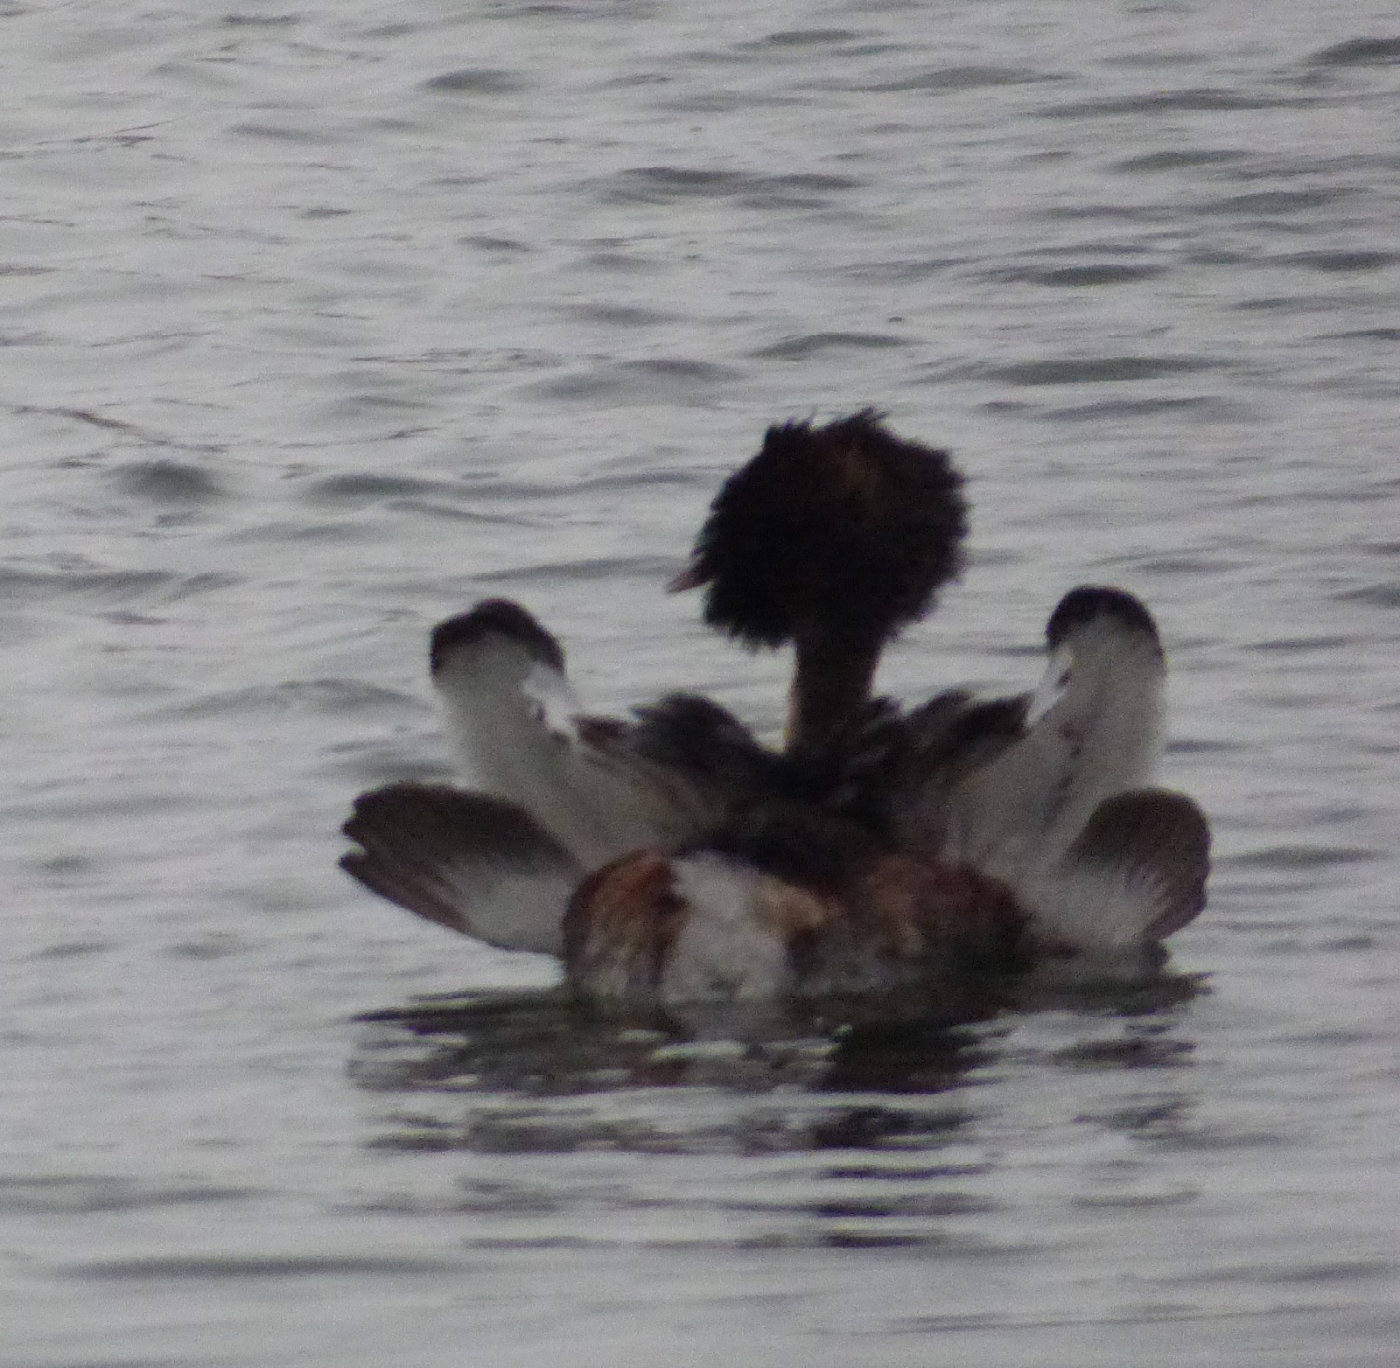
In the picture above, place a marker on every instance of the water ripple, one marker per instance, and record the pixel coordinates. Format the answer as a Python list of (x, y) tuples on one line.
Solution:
[(1200, 100), (478, 81), (116, 587), (1300, 856), (800, 38), (1096, 273), (673, 379), (169, 482), (72, 1194), (585, 569), (663, 184), (1359, 52), (335, 697), (1099, 370), (1340, 262), (374, 487), (801, 347), (1178, 159), (165, 1268), (951, 79), (1205, 408), (1382, 595), (1270, 202)]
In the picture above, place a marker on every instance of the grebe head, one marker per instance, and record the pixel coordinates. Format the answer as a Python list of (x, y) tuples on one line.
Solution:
[(496, 661), (833, 537), (845, 522), (1091, 603), (1097, 637), (512, 716), (1015, 804), (495, 634), (600, 786)]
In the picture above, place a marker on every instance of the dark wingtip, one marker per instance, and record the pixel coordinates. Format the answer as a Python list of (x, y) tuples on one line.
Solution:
[(844, 524), (494, 617), (1090, 601), (431, 815), (1160, 836), (404, 888), (416, 838)]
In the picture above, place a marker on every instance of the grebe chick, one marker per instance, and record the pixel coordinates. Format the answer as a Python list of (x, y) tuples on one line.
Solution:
[(556, 792), (599, 787), (493, 869), (833, 538), (1045, 791), (1008, 774)]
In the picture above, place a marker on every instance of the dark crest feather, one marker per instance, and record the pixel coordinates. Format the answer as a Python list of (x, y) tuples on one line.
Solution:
[(844, 523)]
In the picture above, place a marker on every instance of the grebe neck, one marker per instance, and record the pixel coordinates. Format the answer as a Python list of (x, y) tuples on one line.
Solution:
[(831, 684)]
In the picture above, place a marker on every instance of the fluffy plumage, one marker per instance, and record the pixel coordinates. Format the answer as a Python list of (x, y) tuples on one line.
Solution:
[(832, 538), (845, 521)]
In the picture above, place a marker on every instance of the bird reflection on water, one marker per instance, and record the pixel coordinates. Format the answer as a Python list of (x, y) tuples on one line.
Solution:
[(542, 1072)]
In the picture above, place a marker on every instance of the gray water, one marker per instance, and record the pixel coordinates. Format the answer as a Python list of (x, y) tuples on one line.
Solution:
[(320, 321)]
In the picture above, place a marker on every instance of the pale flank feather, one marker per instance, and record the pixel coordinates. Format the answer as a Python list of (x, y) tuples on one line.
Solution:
[(725, 949), (783, 900)]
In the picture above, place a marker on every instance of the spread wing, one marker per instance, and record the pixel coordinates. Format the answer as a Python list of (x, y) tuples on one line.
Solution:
[(474, 864), (1135, 874)]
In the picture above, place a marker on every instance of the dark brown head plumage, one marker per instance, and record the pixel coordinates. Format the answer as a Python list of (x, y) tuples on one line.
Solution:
[(843, 524), (499, 618), (1087, 602)]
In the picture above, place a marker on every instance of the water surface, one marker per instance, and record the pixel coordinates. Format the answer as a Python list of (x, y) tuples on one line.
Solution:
[(320, 322)]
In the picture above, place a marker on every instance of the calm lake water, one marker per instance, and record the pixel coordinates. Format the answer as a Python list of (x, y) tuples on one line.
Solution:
[(320, 321)]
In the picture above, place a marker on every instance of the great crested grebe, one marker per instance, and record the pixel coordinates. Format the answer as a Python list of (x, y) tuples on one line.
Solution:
[(522, 734), (778, 900), (673, 857)]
